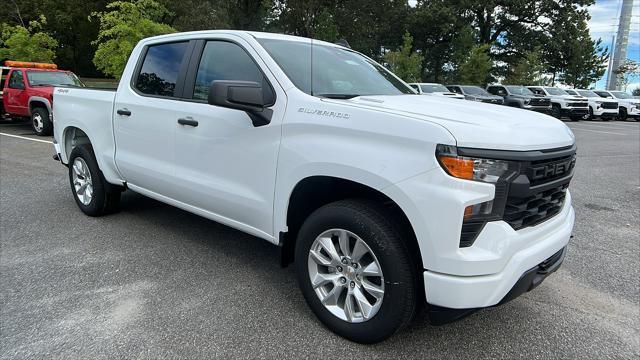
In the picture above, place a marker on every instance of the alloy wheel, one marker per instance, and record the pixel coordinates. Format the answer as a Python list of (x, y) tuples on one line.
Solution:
[(82, 182)]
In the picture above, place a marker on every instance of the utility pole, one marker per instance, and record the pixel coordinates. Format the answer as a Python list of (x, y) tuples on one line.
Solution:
[(622, 41)]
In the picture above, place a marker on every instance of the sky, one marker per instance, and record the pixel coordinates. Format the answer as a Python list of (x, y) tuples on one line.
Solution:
[(603, 24)]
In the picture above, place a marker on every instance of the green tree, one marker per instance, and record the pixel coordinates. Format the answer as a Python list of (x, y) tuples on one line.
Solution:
[(28, 43), (528, 71), (625, 71), (121, 27), (476, 68), (404, 63)]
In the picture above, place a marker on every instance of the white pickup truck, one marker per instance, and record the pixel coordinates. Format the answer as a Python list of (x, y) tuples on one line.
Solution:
[(385, 200)]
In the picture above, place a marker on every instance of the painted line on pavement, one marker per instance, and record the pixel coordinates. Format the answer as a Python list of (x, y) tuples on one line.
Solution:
[(26, 138)]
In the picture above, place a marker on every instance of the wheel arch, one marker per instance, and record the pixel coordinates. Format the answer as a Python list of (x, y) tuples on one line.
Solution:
[(39, 101), (312, 192)]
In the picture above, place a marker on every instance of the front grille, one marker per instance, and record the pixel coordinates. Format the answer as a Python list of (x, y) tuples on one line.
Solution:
[(609, 105), (538, 193), (493, 101), (540, 102), (578, 104), (532, 210)]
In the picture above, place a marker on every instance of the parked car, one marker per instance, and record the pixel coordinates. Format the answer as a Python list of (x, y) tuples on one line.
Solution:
[(28, 92), (628, 106), (475, 93), (384, 200), (521, 97), (563, 104), (599, 107), (434, 89)]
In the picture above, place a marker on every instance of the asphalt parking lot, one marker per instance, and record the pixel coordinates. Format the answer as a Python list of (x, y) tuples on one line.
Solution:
[(156, 282)]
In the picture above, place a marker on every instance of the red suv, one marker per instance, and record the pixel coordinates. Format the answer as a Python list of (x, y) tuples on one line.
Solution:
[(28, 92)]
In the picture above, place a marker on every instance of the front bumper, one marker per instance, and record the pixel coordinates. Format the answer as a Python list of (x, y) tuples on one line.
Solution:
[(573, 112), (542, 109), (605, 113), (537, 244)]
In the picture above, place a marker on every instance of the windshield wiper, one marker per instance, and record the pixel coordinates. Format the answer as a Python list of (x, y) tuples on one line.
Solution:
[(337, 96)]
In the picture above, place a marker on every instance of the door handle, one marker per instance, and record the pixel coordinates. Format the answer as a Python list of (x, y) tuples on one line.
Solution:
[(187, 121), (123, 112)]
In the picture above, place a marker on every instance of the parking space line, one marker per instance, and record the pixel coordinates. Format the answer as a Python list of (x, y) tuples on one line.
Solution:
[(598, 131), (26, 138)]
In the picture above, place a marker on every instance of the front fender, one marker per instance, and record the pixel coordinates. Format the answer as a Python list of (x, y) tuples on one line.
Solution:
[(41, 99)]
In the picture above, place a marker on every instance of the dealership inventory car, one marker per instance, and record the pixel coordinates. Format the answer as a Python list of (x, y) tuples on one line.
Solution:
[(629, 107), (434, 89), (562, 104), (521, 97), (599, 107), (384, 200), (475, 93)]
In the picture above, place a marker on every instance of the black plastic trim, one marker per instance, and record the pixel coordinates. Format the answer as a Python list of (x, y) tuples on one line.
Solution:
[(531, 155)]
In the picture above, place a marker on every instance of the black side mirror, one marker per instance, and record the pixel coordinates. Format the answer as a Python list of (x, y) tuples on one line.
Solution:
[(242, 95)]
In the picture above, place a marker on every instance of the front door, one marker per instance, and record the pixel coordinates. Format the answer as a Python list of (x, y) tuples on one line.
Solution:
[(15, 95), (224, 165), (144, 118)]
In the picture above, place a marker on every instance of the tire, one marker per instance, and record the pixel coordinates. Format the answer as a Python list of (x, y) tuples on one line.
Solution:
[(40, 122), (103, 197), (369, 222), (623, 114), (555, 111), (591, 118)]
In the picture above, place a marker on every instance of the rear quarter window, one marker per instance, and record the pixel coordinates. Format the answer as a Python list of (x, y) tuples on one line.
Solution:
[(160, 69)]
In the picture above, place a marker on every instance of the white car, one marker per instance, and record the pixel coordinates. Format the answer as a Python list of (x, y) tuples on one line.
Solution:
[(629, 106), (435, 89), (386, 201), (563, 104), (599, 107)]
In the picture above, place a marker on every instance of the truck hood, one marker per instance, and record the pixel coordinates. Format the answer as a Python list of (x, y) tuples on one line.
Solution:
[(475, 124)]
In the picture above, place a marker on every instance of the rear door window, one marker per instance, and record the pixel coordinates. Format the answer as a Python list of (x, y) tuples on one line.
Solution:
[(161, 68)]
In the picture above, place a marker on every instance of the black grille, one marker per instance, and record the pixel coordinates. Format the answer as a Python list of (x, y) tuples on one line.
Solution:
[(540, 102), (534, 209), (578, 104), (608, 105)]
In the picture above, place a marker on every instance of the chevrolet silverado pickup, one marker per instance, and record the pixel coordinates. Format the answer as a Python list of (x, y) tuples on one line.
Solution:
[(384, 200), (475, 93), (434, 89), (521, 97), (562, 104)]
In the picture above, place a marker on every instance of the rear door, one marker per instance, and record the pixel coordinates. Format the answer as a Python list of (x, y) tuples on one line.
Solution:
[(15, 96), (225, 165), (145, 112)]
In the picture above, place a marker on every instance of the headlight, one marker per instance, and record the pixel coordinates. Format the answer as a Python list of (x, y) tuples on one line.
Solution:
[(477, 99), (599, 102), (477, 169)]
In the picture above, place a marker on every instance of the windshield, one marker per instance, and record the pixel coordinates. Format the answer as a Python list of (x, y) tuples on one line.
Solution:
[(474, 90), (571, 92), (519, 90), (621, 95), (555, 91), (337, 72), (431, 88), (604, 94), (38, 78), (588, 93)]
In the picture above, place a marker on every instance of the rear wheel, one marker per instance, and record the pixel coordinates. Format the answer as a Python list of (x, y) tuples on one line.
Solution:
[(355, 271), (590, 113), (90, 190), (40, 121)]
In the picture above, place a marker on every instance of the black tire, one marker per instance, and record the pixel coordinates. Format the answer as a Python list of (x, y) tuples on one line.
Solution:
[(623, 114), (106, 197), (47, 126), (373, 224), (590, 114), (556, 112)]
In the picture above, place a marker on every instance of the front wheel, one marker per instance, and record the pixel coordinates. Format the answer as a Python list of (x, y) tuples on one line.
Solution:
[(355, 271), (556, 112), (90, 191), (40, 122), (623, 114)]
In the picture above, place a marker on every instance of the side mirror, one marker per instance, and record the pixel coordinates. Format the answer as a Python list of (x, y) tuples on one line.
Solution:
[(243, 95)]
